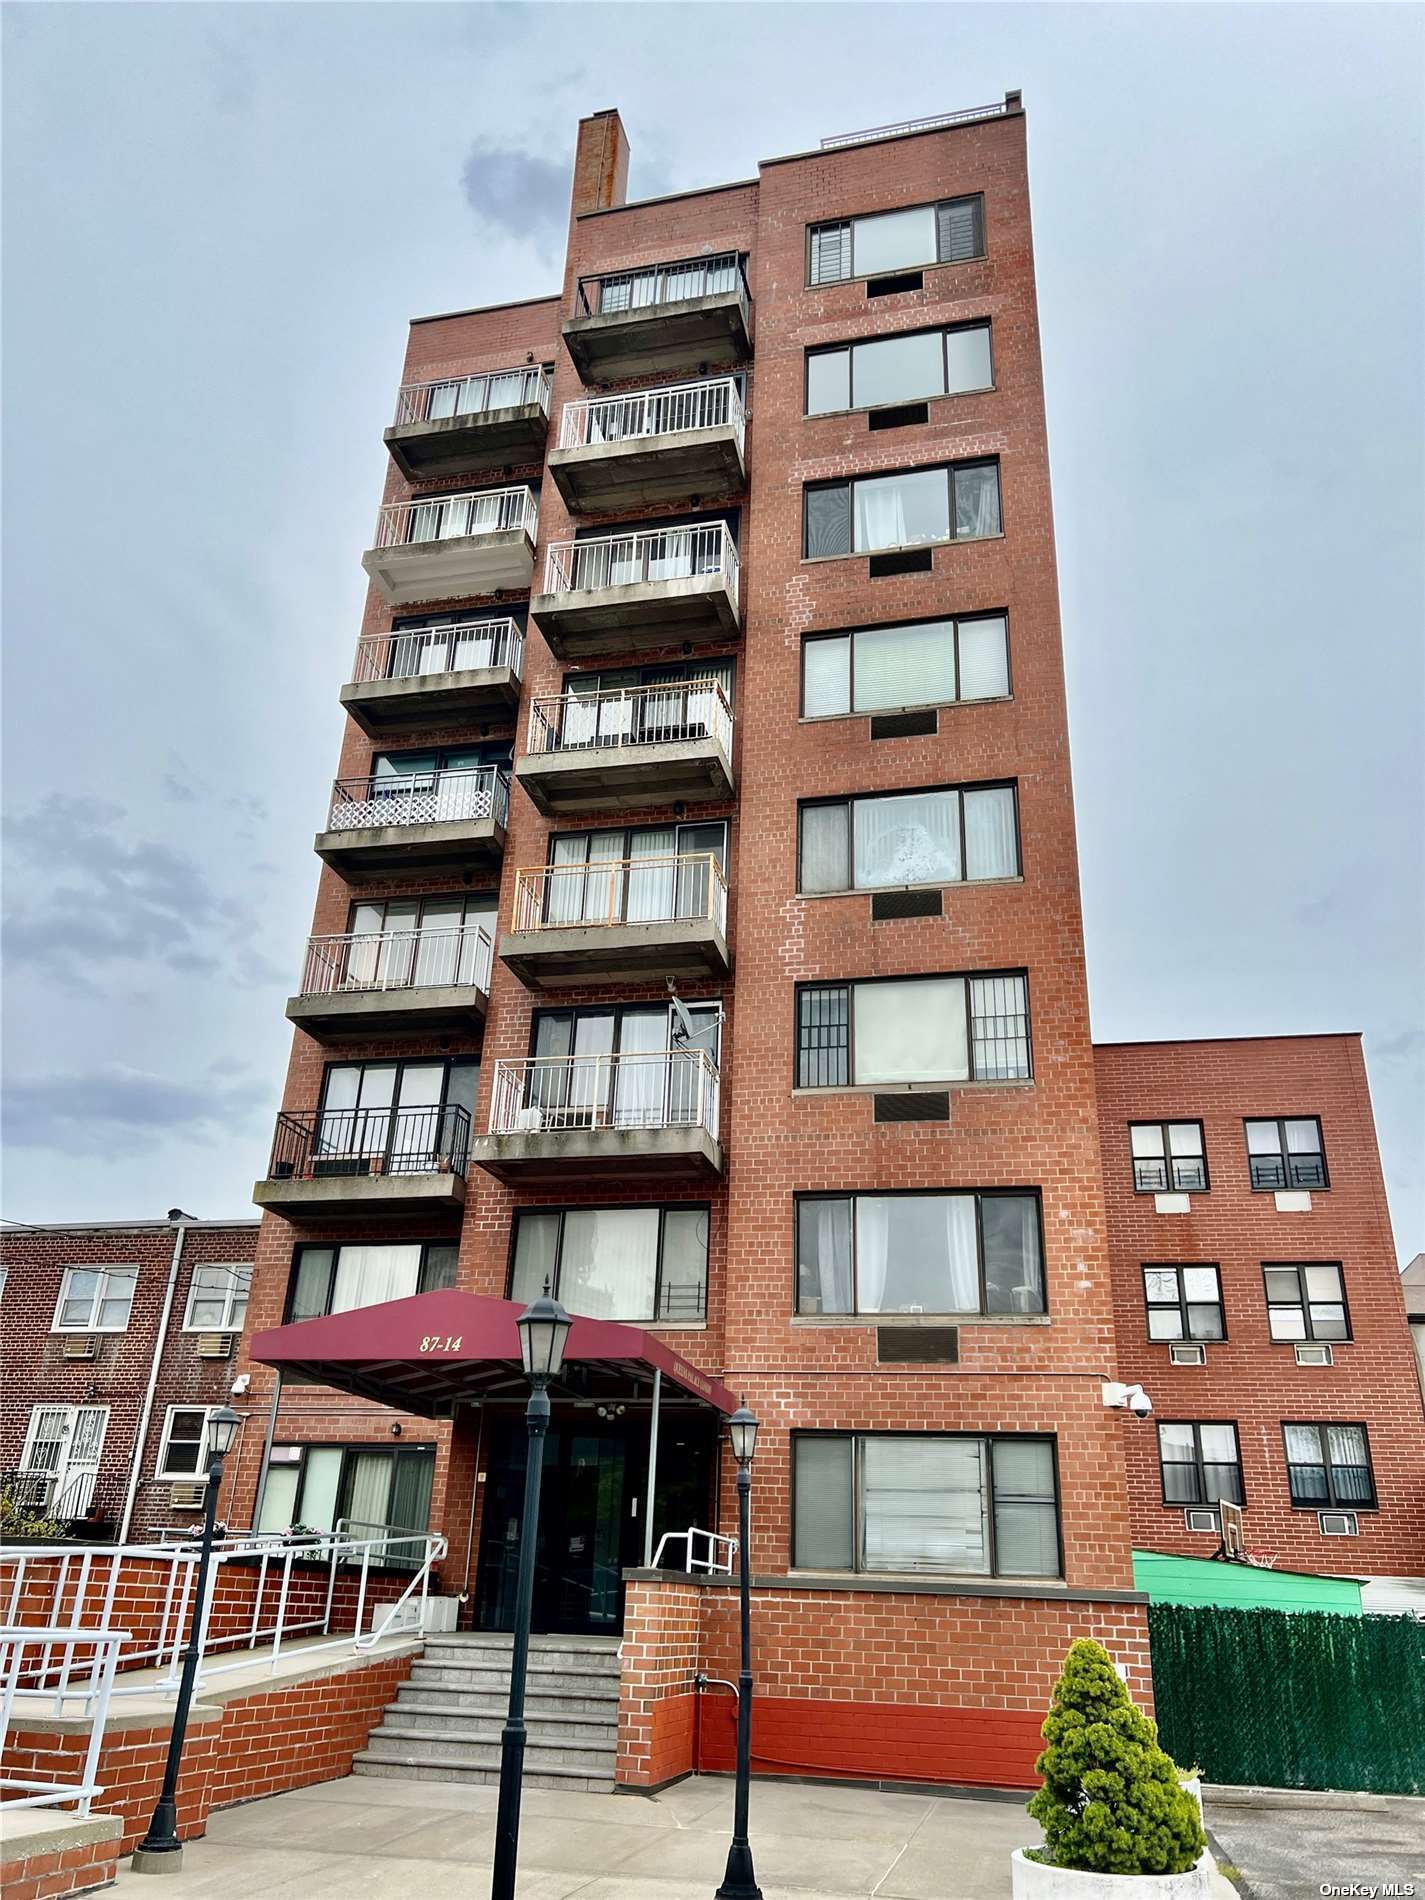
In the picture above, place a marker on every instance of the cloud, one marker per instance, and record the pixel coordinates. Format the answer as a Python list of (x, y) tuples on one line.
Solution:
[(115, 1110), (1410, 1042), (515, 190)]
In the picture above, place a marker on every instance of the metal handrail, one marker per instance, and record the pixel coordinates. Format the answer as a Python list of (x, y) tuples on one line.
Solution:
[(454, 795), (449, 517), (94, 1683), (354, 1143), (358, 962), (720, 1551), (666, 713), (715, 402), (899, 130), (650, 554), (472, 395), (646, 286), (675, 1088), (663, 890), (414, 652)]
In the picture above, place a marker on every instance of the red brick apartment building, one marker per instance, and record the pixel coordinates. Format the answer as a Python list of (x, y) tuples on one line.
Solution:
[(115, 1342), (698, 931)]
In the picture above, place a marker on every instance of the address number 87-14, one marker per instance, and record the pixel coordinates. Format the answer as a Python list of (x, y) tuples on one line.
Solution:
[(442, 1342)]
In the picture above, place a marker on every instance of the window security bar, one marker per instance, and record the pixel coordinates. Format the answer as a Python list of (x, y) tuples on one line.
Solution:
[(413, 652), (915, 125), (713, 403), (352, 1143), (666, 713), (656, 284), (448, 517), (459, 795), (397, 960), (658, 554), (621, 891), (676, 1088), (472, 395)]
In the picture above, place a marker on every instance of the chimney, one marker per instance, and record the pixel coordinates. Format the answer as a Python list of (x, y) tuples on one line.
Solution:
[(600, 163)]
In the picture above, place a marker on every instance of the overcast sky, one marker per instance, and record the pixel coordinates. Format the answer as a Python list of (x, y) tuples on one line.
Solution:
[(219, 219)]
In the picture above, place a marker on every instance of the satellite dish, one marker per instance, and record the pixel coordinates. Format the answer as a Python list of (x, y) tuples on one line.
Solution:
[(686, 1033), (683, 1030)]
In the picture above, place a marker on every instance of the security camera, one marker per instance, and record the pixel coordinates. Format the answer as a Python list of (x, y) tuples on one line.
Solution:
[(1139, 1404), (1130, 1398)]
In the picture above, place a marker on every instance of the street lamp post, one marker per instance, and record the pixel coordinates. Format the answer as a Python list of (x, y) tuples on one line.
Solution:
[(160, 1851), (544, 1327), (739, 1882)]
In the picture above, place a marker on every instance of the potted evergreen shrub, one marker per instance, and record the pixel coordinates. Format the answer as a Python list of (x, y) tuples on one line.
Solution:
[(1118, 1822)]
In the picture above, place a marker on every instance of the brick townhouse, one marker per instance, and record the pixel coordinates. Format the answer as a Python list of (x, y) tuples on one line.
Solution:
[(116, 1339)]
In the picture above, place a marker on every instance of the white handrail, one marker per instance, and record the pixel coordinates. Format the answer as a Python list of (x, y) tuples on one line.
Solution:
[(415, 652), (357, 962), (472, 395), (445, 517), (675, 1088), (649, 554), (95, 1684), (713, 403), (719, 1554), (610, 891), (665, 713)]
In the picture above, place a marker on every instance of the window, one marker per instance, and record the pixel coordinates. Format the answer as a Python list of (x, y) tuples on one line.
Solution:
[(180, 1454), (408, 1117), (916, 1029), (1184, 1302), (217, 1299), (337, 1279), (927, 663), (374, 1488), (1200, 1463), (906, 368), (946, 233), (909, 510), (95, 1300), (1286, 1153), (935, 837), (925, 1503), (1168, 1157), (1329, 1465), (919, 1253), (644, 874), (625, 1263), (1307, 1301)]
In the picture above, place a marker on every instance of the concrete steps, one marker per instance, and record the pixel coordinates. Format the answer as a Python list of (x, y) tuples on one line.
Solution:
[(446, 1721)]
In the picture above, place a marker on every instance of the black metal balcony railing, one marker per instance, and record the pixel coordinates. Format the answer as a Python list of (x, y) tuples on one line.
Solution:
[(1188, 1176), (1288, 1171), (354, 1142), (658, 284)]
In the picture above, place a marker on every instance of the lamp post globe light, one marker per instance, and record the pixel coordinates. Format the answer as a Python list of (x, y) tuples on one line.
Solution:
[(160, 1851), (739, 1882), (543, 1328)]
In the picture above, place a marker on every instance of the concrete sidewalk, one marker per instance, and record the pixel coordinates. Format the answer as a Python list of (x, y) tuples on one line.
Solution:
[(386, 1840)]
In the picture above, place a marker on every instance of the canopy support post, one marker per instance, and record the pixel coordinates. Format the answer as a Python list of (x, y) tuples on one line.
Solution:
[(652, 1469)]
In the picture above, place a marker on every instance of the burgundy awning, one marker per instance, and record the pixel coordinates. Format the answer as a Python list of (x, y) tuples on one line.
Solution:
[(423, 1353)]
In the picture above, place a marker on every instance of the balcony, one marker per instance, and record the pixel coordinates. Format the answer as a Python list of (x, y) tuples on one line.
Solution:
[(367, 1163), (629, 747), (653, 587), (449, 547), (421, 821), (417, 677), (394, 983), (655, 445), (555, 1120), (470, 425), (633, 918), (675, 316)]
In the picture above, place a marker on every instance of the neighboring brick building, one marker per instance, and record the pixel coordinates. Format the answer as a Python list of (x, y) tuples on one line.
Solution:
[(115, 1338)]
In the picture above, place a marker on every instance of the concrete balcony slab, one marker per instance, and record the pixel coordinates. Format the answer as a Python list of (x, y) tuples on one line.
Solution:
[(469, 445), (433, 1009), (563, 1157), (373, 851), (457, 568), (608, 477), (671, 336), (380, 707), (598, 622), (364, 1197), (594, 778), (606, 953)]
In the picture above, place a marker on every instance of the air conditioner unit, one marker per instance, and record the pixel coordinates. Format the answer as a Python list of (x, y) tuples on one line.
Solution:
[(1339, 1523), (529, 1121), (85, 1346), (215, 1345), (1200, 1520), (187, 1497), (1187, 1355), (1313, 1355)]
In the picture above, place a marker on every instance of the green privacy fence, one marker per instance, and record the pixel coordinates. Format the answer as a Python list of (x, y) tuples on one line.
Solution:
[(1292, 1699)]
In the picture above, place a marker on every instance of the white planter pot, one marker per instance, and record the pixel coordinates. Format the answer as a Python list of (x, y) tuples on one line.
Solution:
[(1032, 1880)]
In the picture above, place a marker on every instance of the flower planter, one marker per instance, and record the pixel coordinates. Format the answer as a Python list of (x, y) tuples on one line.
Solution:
[(1033, 1880)]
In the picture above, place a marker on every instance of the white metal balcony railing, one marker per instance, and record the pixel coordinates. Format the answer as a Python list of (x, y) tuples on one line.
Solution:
[(672, 1088), (397, 960), (655, 554), (472, 395), (448, 517), (456, 796), (714, 403), (413, 652), (624, 716), (661, 890)]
